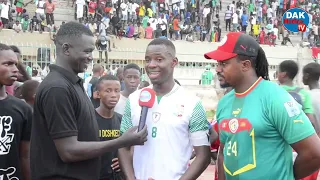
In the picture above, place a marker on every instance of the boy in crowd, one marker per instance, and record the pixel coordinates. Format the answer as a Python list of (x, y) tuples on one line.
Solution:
[(131, 77), (287, 72), (311, 74), (15, 120), (108, 91), (28, 91)]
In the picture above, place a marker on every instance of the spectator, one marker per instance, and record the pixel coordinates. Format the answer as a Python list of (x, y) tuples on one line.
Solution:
[(19, 4), (141, 31), (5, 9), (25, 23), (92, 8), (176, 28), (40, 9), (17, 27), (149, 32), (93, 27), (49, 8), (80, 8)]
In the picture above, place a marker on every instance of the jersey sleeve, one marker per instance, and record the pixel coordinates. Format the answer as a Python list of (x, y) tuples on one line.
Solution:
[(307, 102), (288, 118), (126, 122), (198, 126), (222, 136), (59, 113)]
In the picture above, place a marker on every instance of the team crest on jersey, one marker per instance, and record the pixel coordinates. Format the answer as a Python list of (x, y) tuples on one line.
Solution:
[(233, 125), (179, 110), (156, 117)]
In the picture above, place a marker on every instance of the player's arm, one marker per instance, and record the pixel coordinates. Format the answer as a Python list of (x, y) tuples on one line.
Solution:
[(25, 145), (221, 174), (62, 126), (198, 127), (296, 129), (125, 154)]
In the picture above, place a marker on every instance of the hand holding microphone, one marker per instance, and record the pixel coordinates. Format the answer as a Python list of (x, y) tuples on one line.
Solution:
[(131, 137)]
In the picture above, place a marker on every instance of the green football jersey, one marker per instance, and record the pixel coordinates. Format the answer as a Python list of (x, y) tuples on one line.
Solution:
[(257, 128)]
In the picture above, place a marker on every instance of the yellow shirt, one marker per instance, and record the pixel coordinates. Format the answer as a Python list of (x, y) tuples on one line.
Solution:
[(256, 29), (142, 11)]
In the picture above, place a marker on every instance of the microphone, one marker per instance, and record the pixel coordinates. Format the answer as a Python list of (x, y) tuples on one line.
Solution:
[(146, 101)]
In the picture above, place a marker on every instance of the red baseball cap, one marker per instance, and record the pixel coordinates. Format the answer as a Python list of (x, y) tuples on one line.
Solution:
[(233, 44)]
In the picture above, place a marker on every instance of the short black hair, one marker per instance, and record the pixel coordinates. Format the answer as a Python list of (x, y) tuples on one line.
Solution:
[(15, 49), (290, 67), (131, 66), (28, 89), (108, 77), (313, 69), (167, 43), (72, 30), (4, 47)]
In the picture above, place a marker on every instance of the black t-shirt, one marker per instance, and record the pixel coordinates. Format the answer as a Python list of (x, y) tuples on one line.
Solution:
[(92, 85), (62, 109), (15, 126), (109, 128)]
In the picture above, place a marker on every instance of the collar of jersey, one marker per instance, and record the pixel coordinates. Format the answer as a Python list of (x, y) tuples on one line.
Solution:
[(250, 88), (173, 90)]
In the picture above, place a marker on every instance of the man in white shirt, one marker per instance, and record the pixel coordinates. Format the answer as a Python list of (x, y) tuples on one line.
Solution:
[(235, 21), (176, 124), (233, 7), (275, 5), (134, 7), (124, 10), (269, 13), (153, 22), (5, 8)]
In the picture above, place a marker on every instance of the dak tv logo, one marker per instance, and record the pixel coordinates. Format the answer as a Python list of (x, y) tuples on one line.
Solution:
[(296, 20)]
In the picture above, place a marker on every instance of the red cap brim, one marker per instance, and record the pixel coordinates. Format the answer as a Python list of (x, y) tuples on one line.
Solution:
[(219, 55)]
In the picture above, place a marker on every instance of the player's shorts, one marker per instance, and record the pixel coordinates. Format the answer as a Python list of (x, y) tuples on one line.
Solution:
[(19, 9)]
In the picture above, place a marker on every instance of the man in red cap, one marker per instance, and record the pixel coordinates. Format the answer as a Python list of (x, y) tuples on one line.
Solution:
[(259, 122)]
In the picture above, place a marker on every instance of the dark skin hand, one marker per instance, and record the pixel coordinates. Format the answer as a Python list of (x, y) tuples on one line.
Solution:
[(115, 165), (221, 175), (23, 75), (200, 163), (72, 150), (308, 159)]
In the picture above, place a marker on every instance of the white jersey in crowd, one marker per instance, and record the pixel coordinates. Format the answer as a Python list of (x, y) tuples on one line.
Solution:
[(175, 124), (121, 104)]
